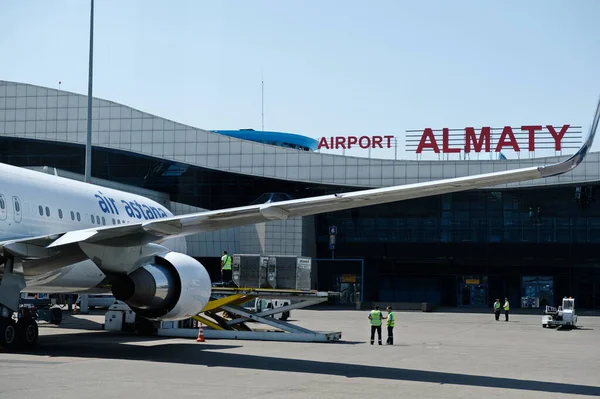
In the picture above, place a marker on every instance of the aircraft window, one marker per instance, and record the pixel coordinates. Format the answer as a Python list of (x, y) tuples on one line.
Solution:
[(60, 213), (118, 221), (78, 217), (114, 221), (17, 206), (2, 204), (103, 221), (93, 220), (97, 219), (72, 215), (41, 209), (47, 211)]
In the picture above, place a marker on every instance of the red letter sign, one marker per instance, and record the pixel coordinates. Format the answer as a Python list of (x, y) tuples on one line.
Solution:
[(389, 141), (557, 136), (377, 141), (484, 137), (428, 134), (352, 140), (323, 143), (364, 144), (512, 142), (531, 130), (446, 143)]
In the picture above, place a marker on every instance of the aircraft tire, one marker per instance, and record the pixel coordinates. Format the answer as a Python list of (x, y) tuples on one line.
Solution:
[(27, 333), (8, 334), (144, 327), (55, 316)]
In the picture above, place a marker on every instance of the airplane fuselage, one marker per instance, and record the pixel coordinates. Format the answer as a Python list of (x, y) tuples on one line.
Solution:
[(35, 204)]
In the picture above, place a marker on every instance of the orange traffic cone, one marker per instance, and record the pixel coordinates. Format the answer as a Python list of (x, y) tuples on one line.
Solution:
[(200, 334)]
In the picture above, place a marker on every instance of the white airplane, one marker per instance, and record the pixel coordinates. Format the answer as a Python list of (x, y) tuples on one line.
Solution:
[(63, 236)]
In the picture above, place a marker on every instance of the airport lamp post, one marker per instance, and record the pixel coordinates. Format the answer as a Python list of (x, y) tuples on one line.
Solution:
[(88, 144)]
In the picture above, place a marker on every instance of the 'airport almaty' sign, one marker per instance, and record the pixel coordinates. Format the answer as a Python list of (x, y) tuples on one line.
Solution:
[(488, 139), (468, 140)]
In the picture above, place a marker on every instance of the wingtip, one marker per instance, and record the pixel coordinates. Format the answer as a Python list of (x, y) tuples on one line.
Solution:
[(571, 163)]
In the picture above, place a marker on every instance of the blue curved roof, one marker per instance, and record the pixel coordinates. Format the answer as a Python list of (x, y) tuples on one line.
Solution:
[(280, 139)]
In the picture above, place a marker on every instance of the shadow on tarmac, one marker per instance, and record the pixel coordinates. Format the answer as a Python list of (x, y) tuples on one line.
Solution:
[(569, 328), (461, 310), (101, 345), (71, 322)]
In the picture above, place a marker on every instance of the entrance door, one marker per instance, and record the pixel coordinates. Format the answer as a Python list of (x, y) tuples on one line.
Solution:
[(475, 295), (349, 288)]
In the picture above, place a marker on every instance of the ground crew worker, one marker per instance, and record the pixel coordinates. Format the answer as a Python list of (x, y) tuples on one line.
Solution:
[(506, 309), (225, 267), (375, 316), (497, 309), (390, 322)]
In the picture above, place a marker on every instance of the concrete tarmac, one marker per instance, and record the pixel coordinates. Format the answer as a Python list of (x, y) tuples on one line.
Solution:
[(436, 355)]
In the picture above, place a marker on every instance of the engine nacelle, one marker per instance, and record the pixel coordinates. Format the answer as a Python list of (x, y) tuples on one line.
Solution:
[(173, 286)]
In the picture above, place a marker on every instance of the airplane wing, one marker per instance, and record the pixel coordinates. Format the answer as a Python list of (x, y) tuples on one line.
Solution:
[(183, 225)]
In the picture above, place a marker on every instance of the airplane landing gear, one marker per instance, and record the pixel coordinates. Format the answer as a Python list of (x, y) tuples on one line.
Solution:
[(27, 332), (24, 333), (8, 334)]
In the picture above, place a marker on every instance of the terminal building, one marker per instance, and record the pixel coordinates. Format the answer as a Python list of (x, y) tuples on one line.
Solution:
[(460, 250)]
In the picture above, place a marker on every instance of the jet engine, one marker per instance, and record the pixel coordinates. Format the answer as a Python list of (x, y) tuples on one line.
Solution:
[(170, 286)]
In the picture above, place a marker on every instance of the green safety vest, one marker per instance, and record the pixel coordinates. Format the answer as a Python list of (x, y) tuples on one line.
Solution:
[(375, 317), (227, 264), (391, 320), (497, 305), (506, 306)]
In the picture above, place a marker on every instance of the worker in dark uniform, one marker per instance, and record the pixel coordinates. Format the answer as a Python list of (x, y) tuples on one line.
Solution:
[(390, 322), (376, 317), (497, 309)]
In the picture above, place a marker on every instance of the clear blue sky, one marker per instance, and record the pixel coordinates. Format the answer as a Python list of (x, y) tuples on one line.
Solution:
[(330, 67)]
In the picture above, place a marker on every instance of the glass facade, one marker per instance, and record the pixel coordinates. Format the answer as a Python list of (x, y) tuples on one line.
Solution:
[(421, 250), (479, 216)]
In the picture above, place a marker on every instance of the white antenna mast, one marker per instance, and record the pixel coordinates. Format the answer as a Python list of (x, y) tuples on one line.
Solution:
[(262, 100)]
